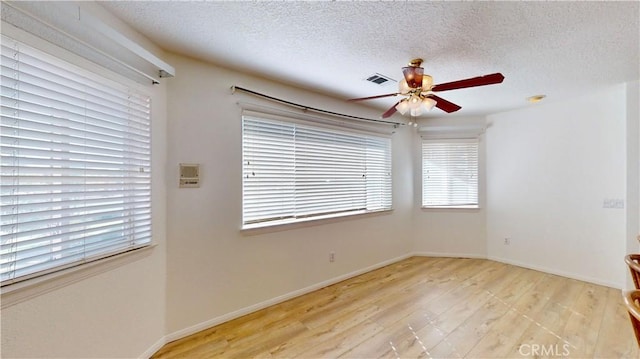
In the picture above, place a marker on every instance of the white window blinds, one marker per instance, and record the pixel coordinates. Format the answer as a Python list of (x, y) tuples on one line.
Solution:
[(293, 171), (75, 169), (450, 173)]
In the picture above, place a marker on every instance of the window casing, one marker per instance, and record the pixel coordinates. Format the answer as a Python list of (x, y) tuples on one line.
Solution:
[(294, 172), (450, 173), (75, 165)]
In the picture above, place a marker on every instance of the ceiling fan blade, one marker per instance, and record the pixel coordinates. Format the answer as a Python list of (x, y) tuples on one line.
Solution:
[(472, 82), (373, 97), (445, 105), (390, 111)]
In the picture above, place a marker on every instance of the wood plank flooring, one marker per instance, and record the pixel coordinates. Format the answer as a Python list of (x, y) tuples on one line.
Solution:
[(430, 308)]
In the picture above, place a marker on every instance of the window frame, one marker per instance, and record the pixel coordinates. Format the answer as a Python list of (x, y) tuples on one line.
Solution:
[(451, 140), (27, 286), (321, 125)]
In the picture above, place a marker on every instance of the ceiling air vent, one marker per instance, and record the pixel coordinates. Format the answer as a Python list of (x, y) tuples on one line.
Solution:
[(380, 79)]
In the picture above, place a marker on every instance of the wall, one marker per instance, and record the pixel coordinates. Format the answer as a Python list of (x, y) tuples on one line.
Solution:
[(550, 168), (449, 232), (114, 309), (215, 271), (633, 170)]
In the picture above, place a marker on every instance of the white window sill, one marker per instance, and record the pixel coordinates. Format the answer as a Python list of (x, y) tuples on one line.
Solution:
[(474, 207), (286, 224), (15, 293)]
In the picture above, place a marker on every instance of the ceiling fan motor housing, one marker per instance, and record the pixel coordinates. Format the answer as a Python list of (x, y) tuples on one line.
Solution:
[(413, 75)]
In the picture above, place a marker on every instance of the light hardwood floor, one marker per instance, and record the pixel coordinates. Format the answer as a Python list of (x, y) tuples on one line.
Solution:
[(430, 308)]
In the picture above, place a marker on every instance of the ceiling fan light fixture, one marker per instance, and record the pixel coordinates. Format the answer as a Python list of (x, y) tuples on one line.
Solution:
[(403, 106), (415, 112), (428, 103), (414, 102)]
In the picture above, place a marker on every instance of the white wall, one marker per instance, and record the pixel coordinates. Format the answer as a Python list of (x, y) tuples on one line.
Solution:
[(449, 232), (633, 171), (215, 269), (117, 311), (549, 169)]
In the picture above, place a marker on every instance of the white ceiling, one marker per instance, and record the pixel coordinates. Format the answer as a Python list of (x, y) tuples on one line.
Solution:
[(555, 48)]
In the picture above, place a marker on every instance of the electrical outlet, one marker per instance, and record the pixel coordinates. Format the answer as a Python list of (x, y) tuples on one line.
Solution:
[(332, 257), (507, 241)]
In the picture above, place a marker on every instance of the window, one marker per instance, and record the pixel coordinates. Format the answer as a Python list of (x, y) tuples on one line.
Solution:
[(293, 172), (450, 173), (75, 165)]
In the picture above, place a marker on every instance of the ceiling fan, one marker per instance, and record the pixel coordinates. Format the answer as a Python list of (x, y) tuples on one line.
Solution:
[(419, 89)]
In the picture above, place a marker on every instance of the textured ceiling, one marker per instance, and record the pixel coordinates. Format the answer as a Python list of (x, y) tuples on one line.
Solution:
[(560, 49)]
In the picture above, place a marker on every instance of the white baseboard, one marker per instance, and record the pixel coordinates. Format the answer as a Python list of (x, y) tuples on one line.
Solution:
[(255, 307), (557, 272), (154, 348), (449, 255)]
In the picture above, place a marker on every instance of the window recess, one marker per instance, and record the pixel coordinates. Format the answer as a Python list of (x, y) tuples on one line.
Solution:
[(75, 165), (295, 171), (450, 169)]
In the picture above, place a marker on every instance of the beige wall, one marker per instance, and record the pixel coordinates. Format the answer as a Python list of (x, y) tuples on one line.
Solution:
[(633, 171), (550, 167), (214, 268)]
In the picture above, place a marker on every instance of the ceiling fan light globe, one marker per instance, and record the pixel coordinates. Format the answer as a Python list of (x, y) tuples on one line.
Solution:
[(403, 87), (403, 106), (414, 102), (428, 103), (415, 112), (427, 82)]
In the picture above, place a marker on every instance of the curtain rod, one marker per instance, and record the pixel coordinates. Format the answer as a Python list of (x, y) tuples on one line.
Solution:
[(307, 108)]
